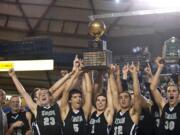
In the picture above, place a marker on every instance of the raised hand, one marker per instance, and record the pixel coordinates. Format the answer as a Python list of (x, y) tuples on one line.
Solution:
[(148, 70), (138, 66), (125, 69), (112, 68), (11, 72), (81, 65), (133, 68), (117, 69), (76, 63), (148, 73), (159, 62)]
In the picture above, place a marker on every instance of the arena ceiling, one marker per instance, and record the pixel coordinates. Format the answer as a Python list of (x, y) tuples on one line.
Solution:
[(66, 22)]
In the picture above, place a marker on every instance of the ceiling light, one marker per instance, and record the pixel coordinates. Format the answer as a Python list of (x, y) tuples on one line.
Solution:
[(117, 1), (162, 3)]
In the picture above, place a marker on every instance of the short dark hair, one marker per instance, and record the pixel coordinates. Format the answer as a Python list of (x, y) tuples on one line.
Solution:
[(46, 90), (74, 91), (16, 96), (101, 94), (33, 93), (127, 93)]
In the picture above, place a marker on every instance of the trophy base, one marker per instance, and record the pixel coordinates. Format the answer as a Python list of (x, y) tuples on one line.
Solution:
[(97, 45), (97, 60)]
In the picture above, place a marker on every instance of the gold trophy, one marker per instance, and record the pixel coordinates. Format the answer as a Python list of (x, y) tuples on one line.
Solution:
[(97, 56)]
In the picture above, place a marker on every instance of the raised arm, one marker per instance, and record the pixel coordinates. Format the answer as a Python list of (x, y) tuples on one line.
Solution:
[(109, 112), (146, 103), (87, 96), (22, 91), (155, 80), (59, 83), (118, 78), (113, 86), (98, 85), (136, 109), (125, 71), (59, 90), (64, 100)]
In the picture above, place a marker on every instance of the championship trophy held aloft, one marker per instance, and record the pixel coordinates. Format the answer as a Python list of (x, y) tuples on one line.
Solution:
[(97, 55)]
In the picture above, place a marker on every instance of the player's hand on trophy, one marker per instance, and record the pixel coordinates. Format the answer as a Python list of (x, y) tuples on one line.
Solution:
[(76, 63), (112, 68), (81, 66), (159, 62)]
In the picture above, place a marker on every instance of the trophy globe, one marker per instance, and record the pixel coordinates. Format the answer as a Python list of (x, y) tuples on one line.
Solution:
[(96, 29)]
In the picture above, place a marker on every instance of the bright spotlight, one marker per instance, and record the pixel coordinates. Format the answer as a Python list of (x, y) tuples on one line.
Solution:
[(134, 50), (117, 1), (163, 3)]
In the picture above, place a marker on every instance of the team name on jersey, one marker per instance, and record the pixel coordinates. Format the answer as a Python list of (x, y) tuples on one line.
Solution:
[(93, 121), (141, 117), (172, 116), (77, 118), (48, 113), (119, 120)]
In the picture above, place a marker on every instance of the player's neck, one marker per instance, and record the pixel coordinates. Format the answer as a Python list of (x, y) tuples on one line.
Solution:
[(47, 105), (99, 112), (75, 109), (124, 109), (173, 105)]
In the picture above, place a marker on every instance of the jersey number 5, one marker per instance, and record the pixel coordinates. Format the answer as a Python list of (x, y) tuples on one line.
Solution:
[(76, 128)]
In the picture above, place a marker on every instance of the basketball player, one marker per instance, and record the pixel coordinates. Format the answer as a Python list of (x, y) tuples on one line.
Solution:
[(150, 116), (102, 114), (74, 114), (127, 116), (170, 111)]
